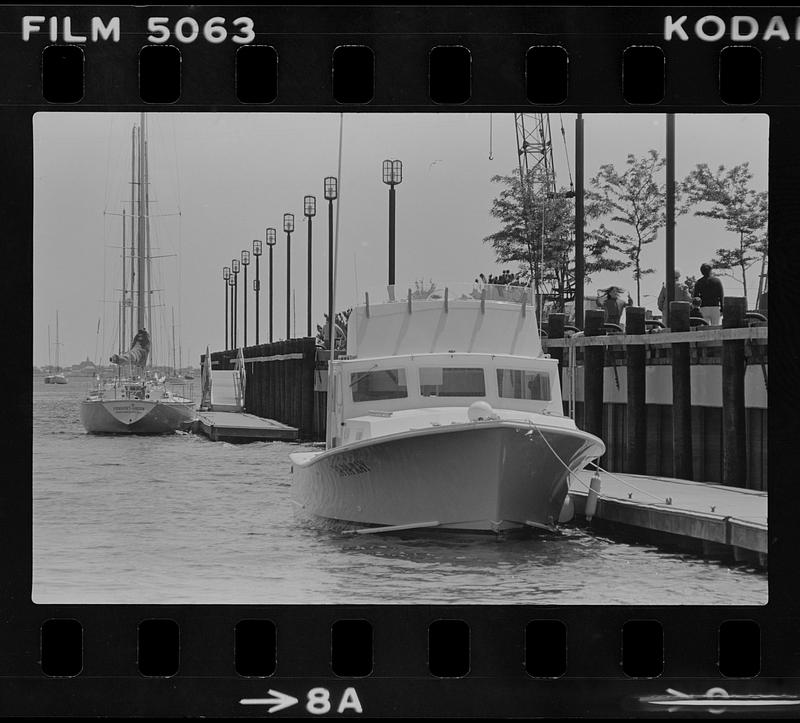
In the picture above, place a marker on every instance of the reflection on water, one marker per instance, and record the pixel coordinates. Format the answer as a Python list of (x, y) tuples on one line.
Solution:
[(179, 519)]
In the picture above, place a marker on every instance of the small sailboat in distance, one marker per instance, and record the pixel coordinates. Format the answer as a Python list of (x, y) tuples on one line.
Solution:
[(138, 401), (57, 376)]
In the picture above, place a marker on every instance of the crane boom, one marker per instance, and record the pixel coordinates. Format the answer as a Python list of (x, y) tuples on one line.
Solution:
[(538, 180)]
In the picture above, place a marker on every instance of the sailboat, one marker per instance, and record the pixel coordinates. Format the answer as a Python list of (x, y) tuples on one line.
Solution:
[(57, 377), (137, 401)]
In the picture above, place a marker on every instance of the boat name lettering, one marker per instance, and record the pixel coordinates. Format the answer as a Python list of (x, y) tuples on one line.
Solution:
[(129, 408), (349, 466)]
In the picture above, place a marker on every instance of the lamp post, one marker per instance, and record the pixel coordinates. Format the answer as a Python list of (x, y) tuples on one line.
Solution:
[(257, 281), (309, 211), (231, 284), (235, 269), (226, 274), (288, 226), (271, 241), (331, 192), (392, 176), (245, 264)]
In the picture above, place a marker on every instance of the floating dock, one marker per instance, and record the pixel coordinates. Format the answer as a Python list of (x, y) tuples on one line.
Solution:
[(241, 427), (712, 520)]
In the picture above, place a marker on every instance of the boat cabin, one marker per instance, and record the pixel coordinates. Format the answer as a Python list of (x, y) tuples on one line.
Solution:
[(417, 362), (383, 395)]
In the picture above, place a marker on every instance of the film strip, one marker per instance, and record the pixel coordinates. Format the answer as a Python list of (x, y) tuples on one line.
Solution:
[(65, 651)]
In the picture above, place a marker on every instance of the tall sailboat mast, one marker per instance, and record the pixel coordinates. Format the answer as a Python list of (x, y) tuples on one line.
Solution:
[(149, 283), (133, 222), (58, 355), (140, 236), (123, 336)]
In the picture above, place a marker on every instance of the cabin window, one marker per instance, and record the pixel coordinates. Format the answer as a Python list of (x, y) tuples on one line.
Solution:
[(523, 384), (451, 382), (379, 384)]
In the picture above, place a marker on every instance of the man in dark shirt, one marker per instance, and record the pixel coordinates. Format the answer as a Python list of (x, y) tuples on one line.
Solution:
[(708, 289)]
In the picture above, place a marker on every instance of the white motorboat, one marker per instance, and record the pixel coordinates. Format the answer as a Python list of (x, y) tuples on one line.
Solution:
[(444, 414)]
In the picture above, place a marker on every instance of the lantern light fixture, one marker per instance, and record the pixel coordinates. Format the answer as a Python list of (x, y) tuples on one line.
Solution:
[(392, 172), (331, 188)]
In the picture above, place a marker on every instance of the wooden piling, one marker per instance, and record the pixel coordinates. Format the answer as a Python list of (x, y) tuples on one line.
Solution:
[(679, 312), (556, 331), (269, 411), (593, 373), (294, 386), (734, 447), (309, 362), (636, 419), (297, 384), (280, 411), (273, 382)]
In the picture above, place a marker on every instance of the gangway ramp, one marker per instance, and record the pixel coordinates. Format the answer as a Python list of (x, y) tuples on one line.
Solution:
[(226, 392)]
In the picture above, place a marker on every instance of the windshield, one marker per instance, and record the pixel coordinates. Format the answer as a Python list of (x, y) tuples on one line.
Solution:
[(451, 382), (523, 384), (380, 384)]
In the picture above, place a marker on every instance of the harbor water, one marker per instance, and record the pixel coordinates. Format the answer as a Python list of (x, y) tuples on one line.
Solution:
[(180, 519)]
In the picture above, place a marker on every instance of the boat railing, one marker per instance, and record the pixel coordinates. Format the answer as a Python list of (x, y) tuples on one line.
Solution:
[(444, 291)]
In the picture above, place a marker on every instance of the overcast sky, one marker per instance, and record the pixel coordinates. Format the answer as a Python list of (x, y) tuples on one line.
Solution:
[(232, 175)]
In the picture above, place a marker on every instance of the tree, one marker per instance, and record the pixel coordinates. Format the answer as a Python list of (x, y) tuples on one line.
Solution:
[(340, 322), (634, 199), (423, 290), (727, 196), (513, 243), (689, 282)]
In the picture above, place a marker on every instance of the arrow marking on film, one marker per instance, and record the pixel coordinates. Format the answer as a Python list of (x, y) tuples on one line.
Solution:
[(277, 701)]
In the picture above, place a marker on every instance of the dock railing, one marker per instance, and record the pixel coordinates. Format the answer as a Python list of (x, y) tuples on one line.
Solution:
[(689, 403)]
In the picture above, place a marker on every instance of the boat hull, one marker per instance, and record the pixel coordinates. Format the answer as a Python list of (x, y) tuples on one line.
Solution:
[(109, 416), (491, 477)]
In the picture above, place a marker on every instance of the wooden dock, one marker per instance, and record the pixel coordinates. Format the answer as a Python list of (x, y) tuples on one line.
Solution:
[(712, 520), (241, 427)]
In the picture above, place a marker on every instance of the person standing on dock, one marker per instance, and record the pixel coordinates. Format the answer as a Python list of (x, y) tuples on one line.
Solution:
[(611, 300), (681, 292), (709, 290)]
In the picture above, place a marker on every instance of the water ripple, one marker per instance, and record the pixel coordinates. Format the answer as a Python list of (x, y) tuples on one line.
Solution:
[(179, 519)]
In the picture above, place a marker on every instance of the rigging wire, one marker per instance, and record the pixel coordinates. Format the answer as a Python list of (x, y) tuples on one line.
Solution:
[(566, 151), (332, 320), (108, 164), (180, 226), (491, 156)]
